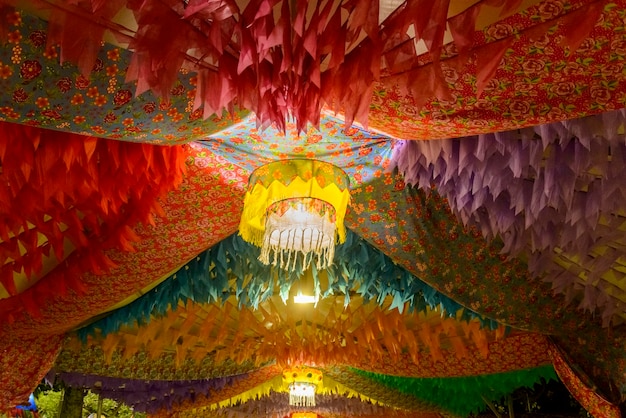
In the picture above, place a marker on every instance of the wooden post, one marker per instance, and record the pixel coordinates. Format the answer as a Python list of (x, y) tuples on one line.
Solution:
[(72, 406), (99, 413)]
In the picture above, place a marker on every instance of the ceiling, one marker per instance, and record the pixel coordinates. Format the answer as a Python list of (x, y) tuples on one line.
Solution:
[(484, 145)]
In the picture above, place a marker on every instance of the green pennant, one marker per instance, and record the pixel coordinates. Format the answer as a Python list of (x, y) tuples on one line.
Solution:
[(232, 268), (464, 395)]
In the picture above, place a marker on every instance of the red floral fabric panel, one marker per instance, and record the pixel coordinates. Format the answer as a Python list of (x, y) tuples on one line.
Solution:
[(593, 402), (25, 360), (514, 352), (558, 60)]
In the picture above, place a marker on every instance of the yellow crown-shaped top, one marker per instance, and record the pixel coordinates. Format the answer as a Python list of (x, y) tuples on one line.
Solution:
[(303, 375)]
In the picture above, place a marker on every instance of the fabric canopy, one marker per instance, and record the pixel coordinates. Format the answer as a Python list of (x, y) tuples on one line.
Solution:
[(483, 237)]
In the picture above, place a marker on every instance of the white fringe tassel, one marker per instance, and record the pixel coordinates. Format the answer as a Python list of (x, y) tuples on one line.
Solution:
[(302, 394), (285, 243), (298, 400)]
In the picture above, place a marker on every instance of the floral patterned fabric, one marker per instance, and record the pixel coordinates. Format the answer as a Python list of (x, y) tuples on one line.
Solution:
[(184, 232), (417, 231), (77, 358), (557, 60), (515, 352), (25, 360), (599, 356), (572, 53), (420, 233), (39, 91), (361, 154), (595, 404)]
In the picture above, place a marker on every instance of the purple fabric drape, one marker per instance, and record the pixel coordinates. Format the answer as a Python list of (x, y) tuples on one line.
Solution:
[(146, 395), (552, 189)]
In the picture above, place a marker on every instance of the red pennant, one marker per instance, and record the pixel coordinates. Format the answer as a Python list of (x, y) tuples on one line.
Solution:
[(577, 25), (488, 59), (463, 27)]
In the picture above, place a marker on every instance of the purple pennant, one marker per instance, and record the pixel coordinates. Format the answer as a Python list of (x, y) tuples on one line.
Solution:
[(146, 395), (547, 190), (277, 405)]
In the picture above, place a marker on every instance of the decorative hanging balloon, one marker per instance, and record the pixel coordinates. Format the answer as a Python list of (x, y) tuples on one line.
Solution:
[(303, 383), (294, 211)]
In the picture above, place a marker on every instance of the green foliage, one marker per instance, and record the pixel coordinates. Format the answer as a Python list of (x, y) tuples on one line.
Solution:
[(49, 405), (110, 408)]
